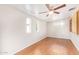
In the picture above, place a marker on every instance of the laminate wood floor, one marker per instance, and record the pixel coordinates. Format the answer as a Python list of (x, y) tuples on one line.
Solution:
[(50, 46)]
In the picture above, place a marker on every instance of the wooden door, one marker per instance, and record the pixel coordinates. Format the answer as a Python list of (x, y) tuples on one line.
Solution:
[(78, 22), (75, 23)]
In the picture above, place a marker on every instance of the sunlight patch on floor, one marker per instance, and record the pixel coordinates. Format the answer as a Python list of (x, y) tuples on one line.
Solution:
[(58, 49)]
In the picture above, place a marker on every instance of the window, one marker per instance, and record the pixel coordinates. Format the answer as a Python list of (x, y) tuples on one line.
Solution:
[(28, 25), (37, 26)]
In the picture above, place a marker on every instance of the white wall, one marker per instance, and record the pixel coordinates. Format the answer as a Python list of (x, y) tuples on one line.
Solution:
[(58, 28), (12, 27)]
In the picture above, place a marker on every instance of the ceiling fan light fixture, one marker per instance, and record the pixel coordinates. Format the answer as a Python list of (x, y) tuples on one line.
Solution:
[(51, 12)]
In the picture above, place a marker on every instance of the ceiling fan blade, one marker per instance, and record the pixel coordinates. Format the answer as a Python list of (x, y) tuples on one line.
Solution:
[(48, 6), (56, 12), (42, 12), (71, 9), (60, 7), (47, 15)]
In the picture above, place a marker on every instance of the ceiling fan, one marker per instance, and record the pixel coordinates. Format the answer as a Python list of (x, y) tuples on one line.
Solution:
[(52, 9)]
